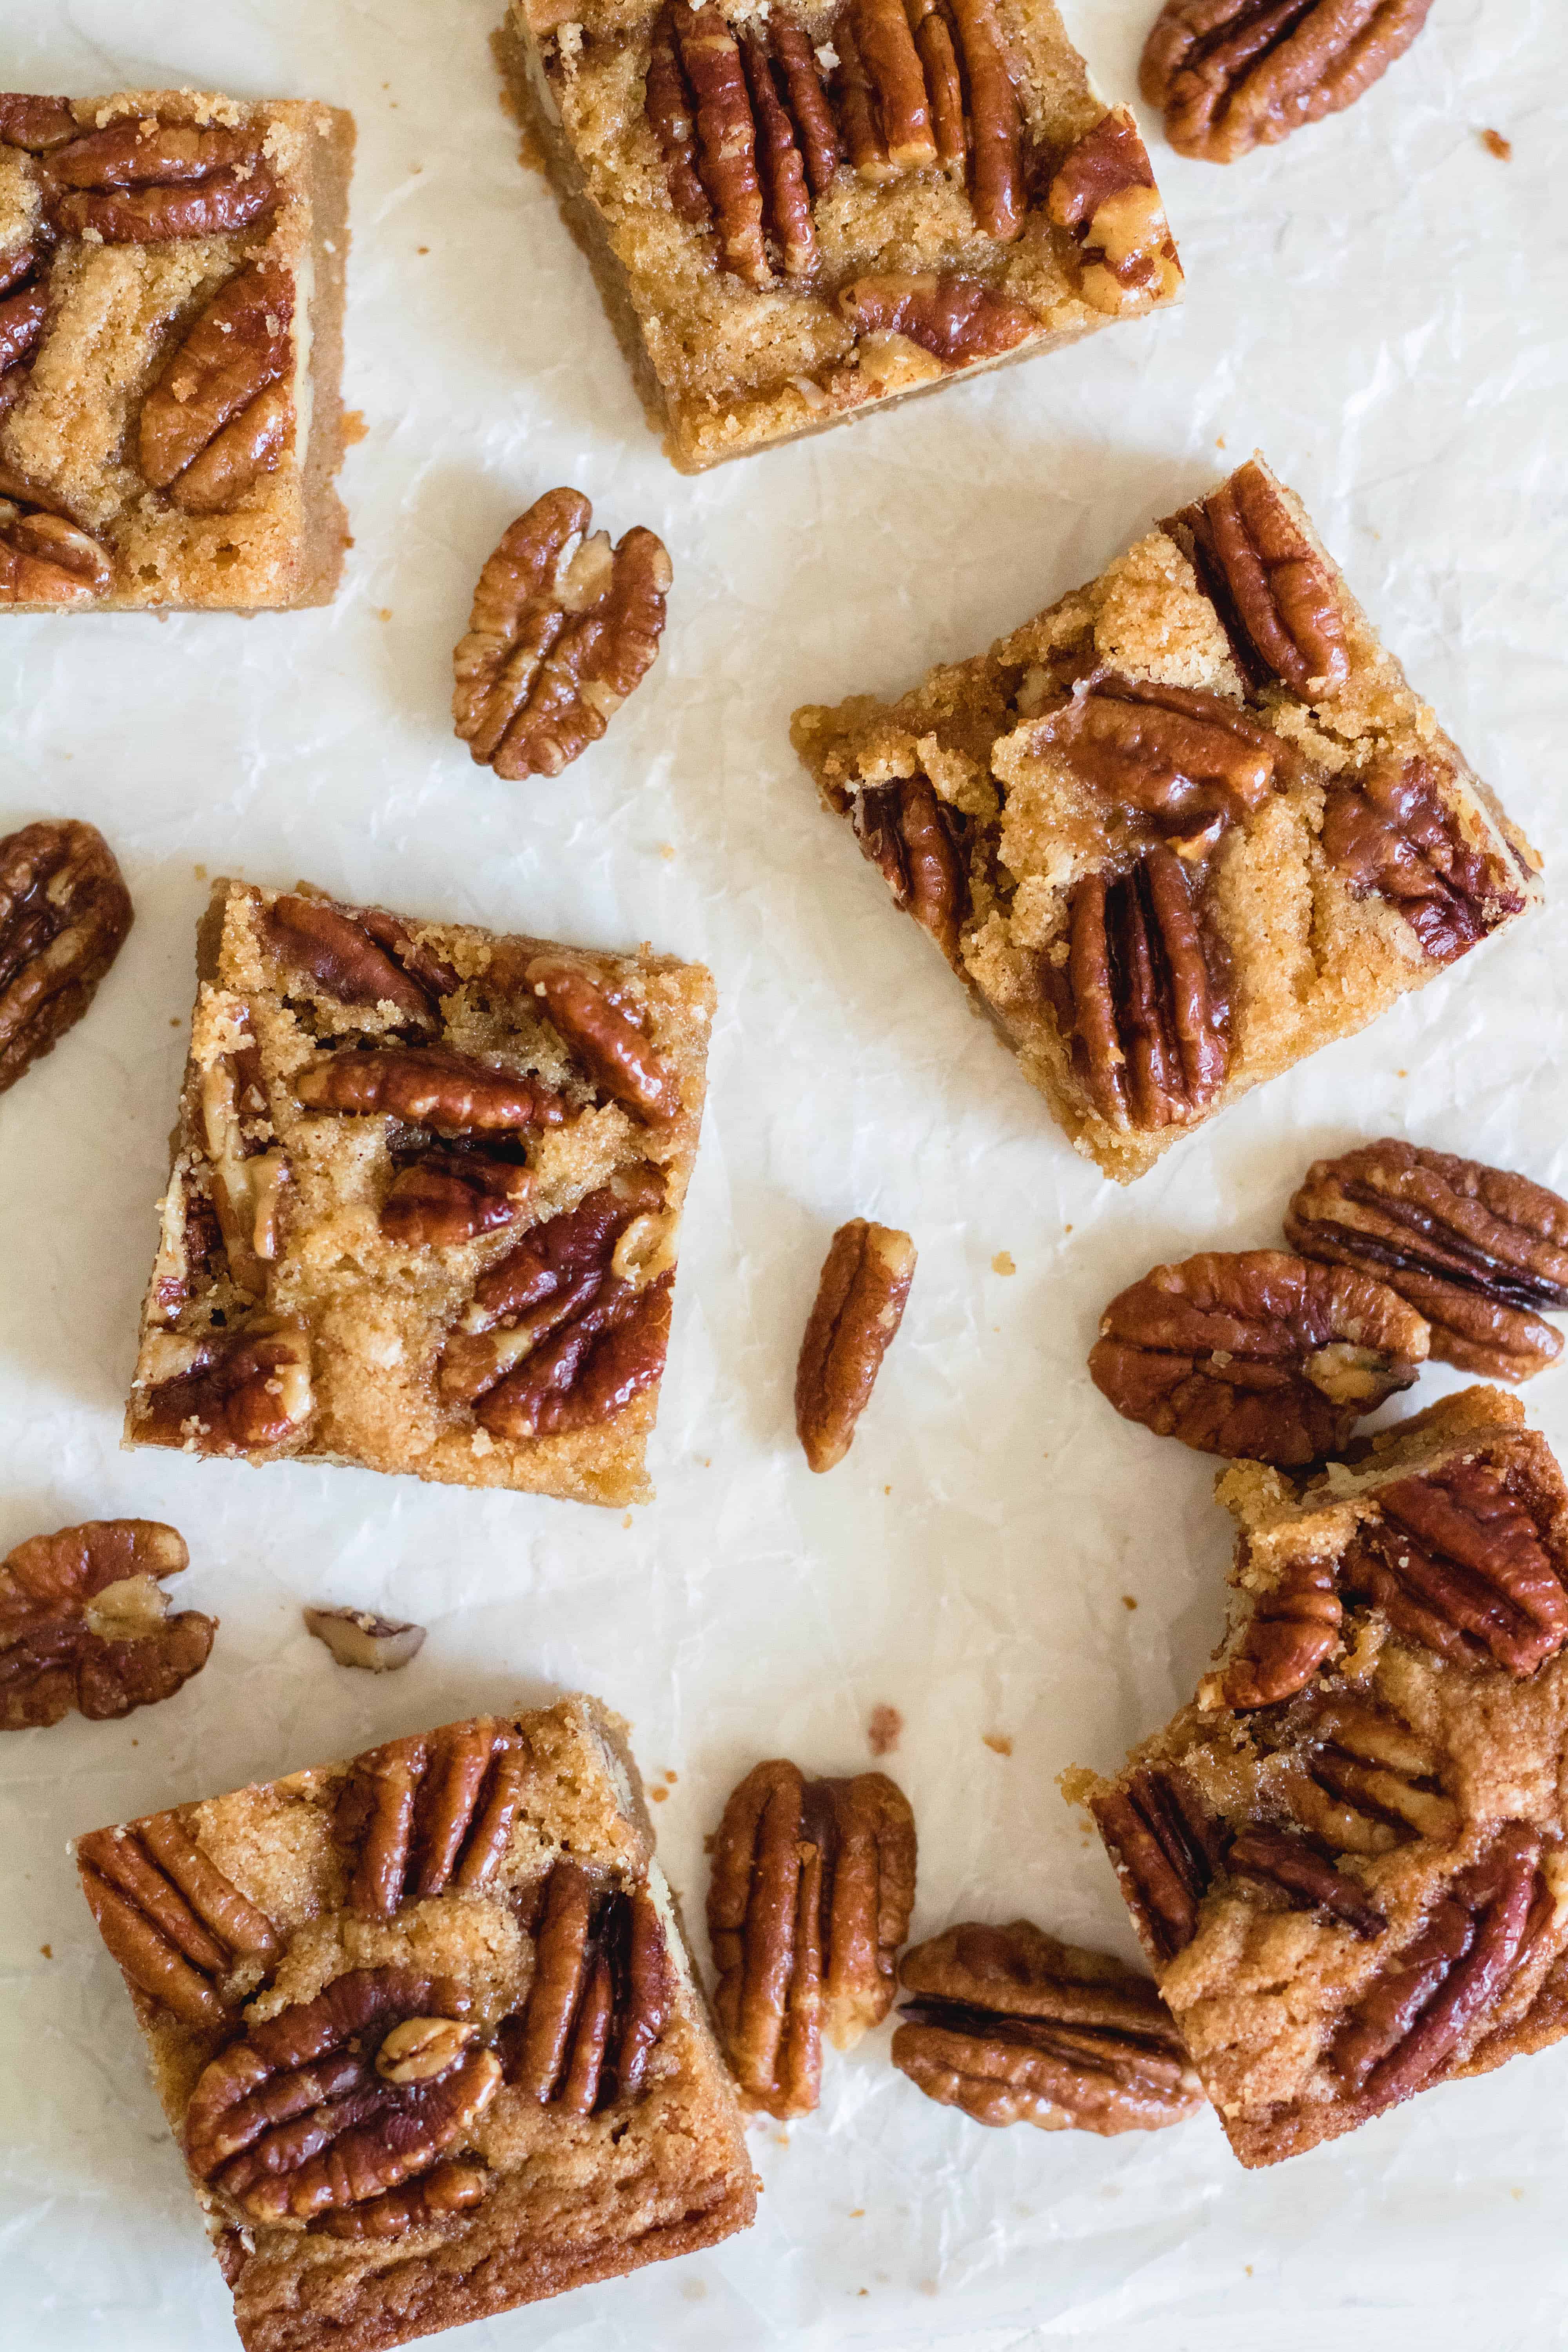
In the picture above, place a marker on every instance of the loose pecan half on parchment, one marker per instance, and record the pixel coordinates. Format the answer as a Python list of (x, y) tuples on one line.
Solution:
[(84, 1624), (64, 915), (1256, 1354), (859, 1304), (1013, 2027), (1479, 1251), (1232, 75), (813, 1884)]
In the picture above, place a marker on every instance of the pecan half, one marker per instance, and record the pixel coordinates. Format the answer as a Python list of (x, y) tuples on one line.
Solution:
[(45, 559), (64, 915), (996, 169), (600, 1998), (917, 842), (1182, 761), (1103, 193), (247, 1178), (1143, 996), (84, 1624), (144, 182), (561, 632), (1477, 1250), (1365, 1782), (182, 1930), (957, 319), (859, 1304), (360, 955), (36, 124), (1392, 833), (822, 150), (780, 161), (809, 1900), (618, 1054), (239, 1389), (1275, 595), (297, 2119), (420, 1815), (726, 137), (669, 111), (1456, 1561), (446, 2190), (1430, 1997), (935, 46), (1013, 2027), (597, 1358), (1284, 1859), (1256, 1354), (25, 287), (429, 1086), (1165, 1851), (1232, 75), (357, 1637), (1295, 1626), (446, 1198), (892, 68), (200, 428)]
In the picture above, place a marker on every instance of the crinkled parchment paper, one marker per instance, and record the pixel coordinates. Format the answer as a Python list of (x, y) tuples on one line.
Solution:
[(1379, 305)]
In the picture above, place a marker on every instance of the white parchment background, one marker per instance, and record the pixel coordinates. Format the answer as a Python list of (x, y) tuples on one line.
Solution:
[(1379, 305)]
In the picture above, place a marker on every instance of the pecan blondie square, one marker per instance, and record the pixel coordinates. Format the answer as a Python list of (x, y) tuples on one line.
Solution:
[(426, 2030), (1346, 1858), (423, 1209), (171, 343), (795, 215), (1180, 830)]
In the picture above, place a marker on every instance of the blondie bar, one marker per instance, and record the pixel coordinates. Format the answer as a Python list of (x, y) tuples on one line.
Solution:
[(171, 343), (796, 216), (1346, 1858), (1181, 829), (426, 2030), (423, 1210)]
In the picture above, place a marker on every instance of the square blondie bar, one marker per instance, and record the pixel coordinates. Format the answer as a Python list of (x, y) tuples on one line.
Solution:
[(171, 345), (797, 215), (426, 1190), (426, 2028), (1347, 1860), (1180, 830)]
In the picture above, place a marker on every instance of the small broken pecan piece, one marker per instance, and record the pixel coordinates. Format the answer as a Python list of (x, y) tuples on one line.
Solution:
[(1103, 193), (917, 842), (84, 1624), (429, 1086), (1458, 1560), (1143, 996), (1166, 1852), (419, 1815), (1477, 1250), (239, 1389), (1392, 835), (357, 1637), (1364, 1782), (1295, 1626), (299, 2118), (144, 182), (1431, 1997), (619, 1055), (809, 1900), (1232, 75), (200, 424), (180, 1930), (1256, 1354), (1013, 2027), (600, 1998), (957, 319), (1273, 590), (561, 632), (64, 915), (36, 124), (1284, 1859), (859, 1304), (361, 956)]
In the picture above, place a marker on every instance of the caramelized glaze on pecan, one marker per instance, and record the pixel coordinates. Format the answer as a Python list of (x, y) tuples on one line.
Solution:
[(859, 1304), (957, 319), (205, 434), (1177, 761), (1103, 193), (1458, 1560), (1364, 1782), (1166, 1851), (1257, 1354), (36, 124), (1274, 592), (47, 560), (1286, 1860), (420, 1815), (918, 843), (182, 1932), (600, 1998), (1232, 75), (1477, 1250), (359, 955), (144, 181), (452, 1093), (1294, 1627), (64, 915), (1393, 834), (84, 1624), (620, 1057), (441, 1199), (236, 1390)]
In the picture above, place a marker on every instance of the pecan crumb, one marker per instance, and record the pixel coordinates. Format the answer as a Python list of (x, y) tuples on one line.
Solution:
[(884, 1731), (1495, 145)]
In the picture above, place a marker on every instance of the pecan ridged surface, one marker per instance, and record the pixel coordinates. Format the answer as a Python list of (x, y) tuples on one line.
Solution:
[(84, 1624), (1458, 1560), (1013, 2027), (859, 1304), (178, 1926), (359, 955), (600, 1998), (47, 560), (1103, 193), (810, 1896), (563, 629), (216, 418), (1479, 1251), (419, 1816), (1166, 1851), (917, 842), (36, 124), (1232, 75), (448, 2188), (1364, 1782), (441, 1199), (452, 1093), (64, 915), (1256, 1354), (228, 1391), (957, 319), (620, 1057), (1274, 592), (1177, 761), (144, 182), (1392, 835), (1286, 1860), (1294, 1627)]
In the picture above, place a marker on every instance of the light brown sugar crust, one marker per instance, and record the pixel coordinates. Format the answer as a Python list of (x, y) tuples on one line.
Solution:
[(1002, 826), (384, 1322), (118, 314), (562, 2194), (725, 365), (1346, 1858)]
